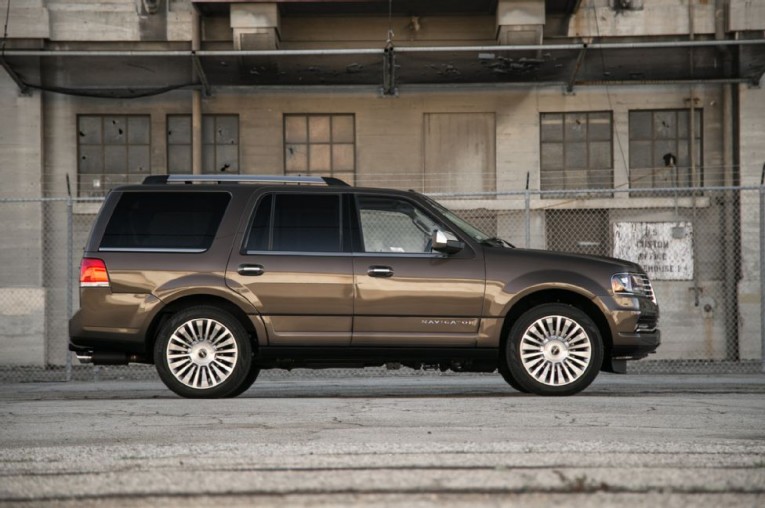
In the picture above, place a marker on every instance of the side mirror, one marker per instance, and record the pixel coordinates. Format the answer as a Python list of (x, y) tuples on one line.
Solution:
[(443, 241)]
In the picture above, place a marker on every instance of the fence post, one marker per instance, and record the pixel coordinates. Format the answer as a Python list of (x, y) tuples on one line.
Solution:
[(527, 213), (69, 275), (762, 270)]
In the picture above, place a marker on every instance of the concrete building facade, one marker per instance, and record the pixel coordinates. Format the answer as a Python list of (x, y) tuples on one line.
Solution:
[(477, 102)]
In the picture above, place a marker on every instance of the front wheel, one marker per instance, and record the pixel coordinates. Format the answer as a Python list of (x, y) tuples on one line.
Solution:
[(203, 352), (553, 349)]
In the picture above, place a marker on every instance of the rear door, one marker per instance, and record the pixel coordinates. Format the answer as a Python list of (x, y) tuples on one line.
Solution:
[(296, 268), (406, 294)]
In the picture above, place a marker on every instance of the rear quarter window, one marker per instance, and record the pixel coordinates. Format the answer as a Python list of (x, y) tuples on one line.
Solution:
[(157, 221)]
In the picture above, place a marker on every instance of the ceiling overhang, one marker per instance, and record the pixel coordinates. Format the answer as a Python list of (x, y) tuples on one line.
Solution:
[(135, 73)]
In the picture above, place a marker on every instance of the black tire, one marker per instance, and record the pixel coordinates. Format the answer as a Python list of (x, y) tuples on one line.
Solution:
[(508, 377), (553, 349), (252, 375), (203, 352)]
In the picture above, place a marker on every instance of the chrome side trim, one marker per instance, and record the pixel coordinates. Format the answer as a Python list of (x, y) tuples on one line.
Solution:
[(94, 284), (151, 249)]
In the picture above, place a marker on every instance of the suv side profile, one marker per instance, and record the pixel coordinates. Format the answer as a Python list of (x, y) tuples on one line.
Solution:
[(213, 278)]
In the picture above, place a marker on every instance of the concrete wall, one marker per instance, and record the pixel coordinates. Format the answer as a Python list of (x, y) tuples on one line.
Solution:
[(752, 155), (22, 296)]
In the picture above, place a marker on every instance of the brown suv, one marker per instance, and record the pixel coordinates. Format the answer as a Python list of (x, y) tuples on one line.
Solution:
[(214, 281)]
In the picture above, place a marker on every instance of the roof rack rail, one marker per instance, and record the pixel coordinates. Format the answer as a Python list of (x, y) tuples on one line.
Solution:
[(267, 179)]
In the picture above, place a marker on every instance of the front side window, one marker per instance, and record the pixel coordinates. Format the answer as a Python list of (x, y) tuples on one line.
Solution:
[(660, 148), (112, 150), (296, 223), (394, 225), (158, 221), (220, 144), (576, 151)]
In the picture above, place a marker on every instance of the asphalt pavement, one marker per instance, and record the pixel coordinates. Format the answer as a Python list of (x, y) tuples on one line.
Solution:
[(455, 440)]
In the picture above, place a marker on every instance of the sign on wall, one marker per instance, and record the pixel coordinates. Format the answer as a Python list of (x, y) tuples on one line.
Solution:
[(663, 249)]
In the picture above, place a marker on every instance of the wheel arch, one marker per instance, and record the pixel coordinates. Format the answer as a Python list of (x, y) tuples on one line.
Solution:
[(572, 298), (194, 300)]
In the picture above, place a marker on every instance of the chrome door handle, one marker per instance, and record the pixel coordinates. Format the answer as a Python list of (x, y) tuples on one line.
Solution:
[(380, 271), (250, 270)]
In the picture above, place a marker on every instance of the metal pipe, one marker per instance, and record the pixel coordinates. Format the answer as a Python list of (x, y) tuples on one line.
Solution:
[(196, 98), (380, 51)]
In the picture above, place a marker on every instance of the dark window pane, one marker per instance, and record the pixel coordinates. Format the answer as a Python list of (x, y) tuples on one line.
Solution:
[(641, 125), (91, 159), (115, 128), (227, 130), (138, 159), (258, 239), (307, 223), (551, 127), (178, 130), (576, 127), (138, 130), (600, 126), (165, 220), (665, 125), (641, 154), (600, 155), (115, 159), (576, 156), (552, 156), (89, 130)]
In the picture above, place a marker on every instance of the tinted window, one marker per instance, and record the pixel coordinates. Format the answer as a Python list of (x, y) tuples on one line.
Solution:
[(165, 220), (297, 223)]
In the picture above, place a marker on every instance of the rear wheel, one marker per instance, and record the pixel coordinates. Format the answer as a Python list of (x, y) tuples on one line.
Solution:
[(203, 352), (553, 349)]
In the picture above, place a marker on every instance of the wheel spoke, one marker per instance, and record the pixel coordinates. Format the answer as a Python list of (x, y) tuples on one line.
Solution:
[(201, 353), (555, 350)]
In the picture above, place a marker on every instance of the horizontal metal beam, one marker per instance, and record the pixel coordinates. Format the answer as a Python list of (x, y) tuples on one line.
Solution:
[(380, 51)]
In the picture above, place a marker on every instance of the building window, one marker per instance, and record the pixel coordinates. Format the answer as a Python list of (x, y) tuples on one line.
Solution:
[(220, 144), (660, 148), (321, 145), (576, 151), (112, 150)]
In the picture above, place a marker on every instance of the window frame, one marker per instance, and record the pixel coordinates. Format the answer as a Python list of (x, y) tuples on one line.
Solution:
[(178, 250), (214, 117), (609, 181), (691, 143), (332, 172), (343, 225), (104, 189)]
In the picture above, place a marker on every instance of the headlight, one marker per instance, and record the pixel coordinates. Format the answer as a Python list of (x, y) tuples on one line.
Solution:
[(630, 284)]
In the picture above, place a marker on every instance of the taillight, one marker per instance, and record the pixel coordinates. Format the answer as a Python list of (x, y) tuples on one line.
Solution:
[(93, 273)]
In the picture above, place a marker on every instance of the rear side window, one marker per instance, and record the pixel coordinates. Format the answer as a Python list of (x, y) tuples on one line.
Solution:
[(159, 221), (297, 223)]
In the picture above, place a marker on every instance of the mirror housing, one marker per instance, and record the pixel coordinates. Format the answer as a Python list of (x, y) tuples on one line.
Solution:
[(443, 241)]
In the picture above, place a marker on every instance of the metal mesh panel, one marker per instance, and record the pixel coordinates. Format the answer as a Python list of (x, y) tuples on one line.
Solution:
[(701, 249)]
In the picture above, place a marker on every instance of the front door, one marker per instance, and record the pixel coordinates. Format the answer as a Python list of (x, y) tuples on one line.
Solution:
[(406, 294), (294, 270)]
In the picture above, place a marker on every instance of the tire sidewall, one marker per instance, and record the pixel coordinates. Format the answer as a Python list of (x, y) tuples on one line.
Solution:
[(241, 367), (512, 353)]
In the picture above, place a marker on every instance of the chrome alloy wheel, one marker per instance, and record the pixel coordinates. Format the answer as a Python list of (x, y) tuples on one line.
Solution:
[(201, 353), (555, 350)]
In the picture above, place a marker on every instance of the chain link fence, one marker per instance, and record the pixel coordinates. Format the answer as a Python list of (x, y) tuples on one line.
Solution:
[(701, 248)]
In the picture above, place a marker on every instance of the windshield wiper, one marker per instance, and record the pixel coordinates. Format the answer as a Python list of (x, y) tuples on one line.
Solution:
[(496, 241)]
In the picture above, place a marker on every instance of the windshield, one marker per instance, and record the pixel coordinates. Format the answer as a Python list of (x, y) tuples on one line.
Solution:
[(469, 229)]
